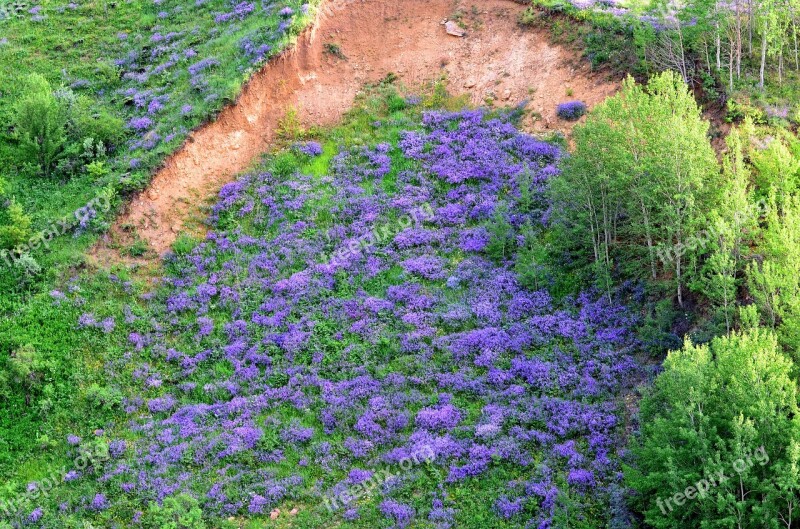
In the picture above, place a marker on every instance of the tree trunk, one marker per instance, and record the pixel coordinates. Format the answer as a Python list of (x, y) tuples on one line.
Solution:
[(738, 41), (649, 236), (763, 61), (730, 68), (678, 278), (750, 20)]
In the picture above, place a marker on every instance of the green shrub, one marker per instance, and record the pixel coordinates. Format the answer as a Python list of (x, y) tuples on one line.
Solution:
[(738, 112), (177, 512), (90, 120), (501, 235), (23, 372), (40, 121), (183, 244), (15, 226), (104, 398)]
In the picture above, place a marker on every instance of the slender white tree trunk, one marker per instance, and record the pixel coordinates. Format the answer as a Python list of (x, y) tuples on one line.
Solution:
[(763, 61)]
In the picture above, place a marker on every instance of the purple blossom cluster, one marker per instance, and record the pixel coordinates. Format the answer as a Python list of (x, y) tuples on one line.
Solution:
[(310, 148), (571, 110), (280, 362), (240, 11)]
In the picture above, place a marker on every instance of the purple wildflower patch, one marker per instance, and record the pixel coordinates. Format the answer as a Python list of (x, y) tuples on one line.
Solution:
[(571, 110)]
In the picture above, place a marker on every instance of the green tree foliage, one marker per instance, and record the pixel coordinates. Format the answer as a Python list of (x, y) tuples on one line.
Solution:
[(729, 407), (777, 170), (732, 229), (774, 275), (40, 121), (641, 179), (15, 225)]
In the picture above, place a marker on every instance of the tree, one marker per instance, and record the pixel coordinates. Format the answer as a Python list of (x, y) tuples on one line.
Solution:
[(732, 226), (40, 124), (774, 279), (642, 175), (728, 409)]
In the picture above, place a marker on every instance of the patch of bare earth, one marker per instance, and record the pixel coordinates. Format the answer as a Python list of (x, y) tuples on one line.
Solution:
[(496, 60)]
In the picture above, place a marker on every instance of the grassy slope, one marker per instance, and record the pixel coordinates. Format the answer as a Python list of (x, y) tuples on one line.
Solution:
[(76, 47), (79, 45)]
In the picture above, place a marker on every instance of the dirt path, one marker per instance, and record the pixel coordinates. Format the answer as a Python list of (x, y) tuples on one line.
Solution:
[(495, 59)]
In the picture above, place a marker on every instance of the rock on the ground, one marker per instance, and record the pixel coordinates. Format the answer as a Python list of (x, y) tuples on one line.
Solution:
[(453, 29)]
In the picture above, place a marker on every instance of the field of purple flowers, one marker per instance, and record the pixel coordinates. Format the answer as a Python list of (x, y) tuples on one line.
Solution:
[(352, 340)]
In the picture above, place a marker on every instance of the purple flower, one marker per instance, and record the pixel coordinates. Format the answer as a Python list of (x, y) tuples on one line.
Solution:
[(107, 325), (311, 148), (140, 123), (99, 503), (161, 405), (508, 508), (571, 110), (581, 478), (358, 475), (35, 515), (443, 418), (117, 447), (401, 514), (203, 65)]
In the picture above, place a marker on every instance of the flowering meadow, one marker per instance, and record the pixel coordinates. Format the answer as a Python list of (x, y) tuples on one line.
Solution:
[(126, 82), (413, 380), (122, 84)]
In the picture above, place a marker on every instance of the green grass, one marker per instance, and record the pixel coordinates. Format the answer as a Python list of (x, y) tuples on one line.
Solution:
[(76, 49)]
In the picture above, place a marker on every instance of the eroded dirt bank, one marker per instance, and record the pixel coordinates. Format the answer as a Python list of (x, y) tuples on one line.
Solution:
[(496, 58)]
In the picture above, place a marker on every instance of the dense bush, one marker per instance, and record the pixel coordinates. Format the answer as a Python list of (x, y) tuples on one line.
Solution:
[(638, 186), (40, 121), (720, 436)]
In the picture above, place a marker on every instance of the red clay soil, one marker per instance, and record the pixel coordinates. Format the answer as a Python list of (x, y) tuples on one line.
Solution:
[(496, 59)]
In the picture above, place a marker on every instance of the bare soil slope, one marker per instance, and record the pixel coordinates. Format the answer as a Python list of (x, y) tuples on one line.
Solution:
[(495, 59)]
